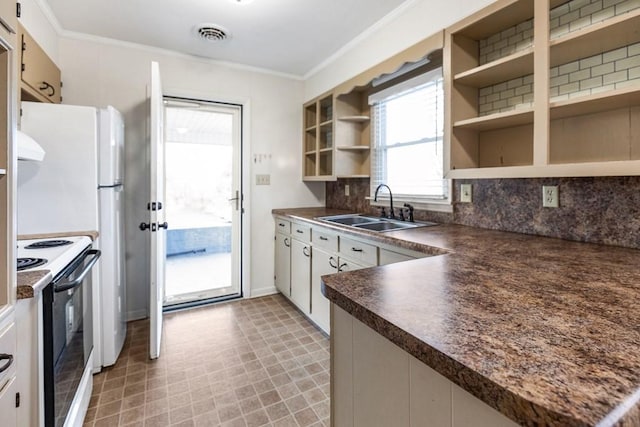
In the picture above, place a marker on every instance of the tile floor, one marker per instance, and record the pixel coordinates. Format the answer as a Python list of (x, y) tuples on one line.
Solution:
[(246, 363)]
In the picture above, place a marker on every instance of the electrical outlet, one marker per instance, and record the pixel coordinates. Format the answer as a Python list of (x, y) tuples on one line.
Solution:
[(346, 190), (550, 196), (263, 179), (465, 193)]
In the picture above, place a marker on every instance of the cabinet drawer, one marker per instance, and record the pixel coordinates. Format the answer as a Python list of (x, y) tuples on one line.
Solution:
[(8, 346), (283, 226), (363, 253), (325, 240), (301, 232)]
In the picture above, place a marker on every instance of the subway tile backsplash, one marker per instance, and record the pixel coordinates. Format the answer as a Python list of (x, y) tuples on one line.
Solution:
[(611, 70), (603, 210)]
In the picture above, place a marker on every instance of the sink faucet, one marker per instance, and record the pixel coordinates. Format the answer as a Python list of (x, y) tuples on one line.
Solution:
[(392, 215)]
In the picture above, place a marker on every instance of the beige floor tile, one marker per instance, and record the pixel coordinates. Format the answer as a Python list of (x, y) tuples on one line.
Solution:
[(257, 362)]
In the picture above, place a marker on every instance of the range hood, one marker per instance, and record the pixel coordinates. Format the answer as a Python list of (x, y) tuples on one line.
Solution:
[(28, 148)]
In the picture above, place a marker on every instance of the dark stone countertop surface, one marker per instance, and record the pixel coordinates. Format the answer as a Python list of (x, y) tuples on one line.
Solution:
[(31, 282), (546, 331)]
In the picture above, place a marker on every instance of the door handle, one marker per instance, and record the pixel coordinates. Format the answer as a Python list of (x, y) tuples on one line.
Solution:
[(237, 199), (144, 226), (306, 252), (286, 242), (164, 225), (341, 267)]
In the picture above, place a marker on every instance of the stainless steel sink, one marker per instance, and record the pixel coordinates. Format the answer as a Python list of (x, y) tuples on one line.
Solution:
[(387, 225), (352, 219), (373, 223)]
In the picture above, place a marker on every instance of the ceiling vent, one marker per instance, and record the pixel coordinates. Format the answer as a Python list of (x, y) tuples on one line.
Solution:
[(212, 32)]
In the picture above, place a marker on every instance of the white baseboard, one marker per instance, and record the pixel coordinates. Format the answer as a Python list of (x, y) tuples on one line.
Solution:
[(137, 315), (262, 292)]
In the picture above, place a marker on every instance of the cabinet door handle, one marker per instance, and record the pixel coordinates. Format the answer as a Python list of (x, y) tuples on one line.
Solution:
[(280, 224), (332, 262), (323, 238), (299, 231), (47, 86), (356, 249), (341, 267), (9, 361), (286, 242), (305, 252)]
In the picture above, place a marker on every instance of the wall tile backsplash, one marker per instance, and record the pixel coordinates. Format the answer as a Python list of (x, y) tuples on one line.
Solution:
[(602, 210), (610, 70)]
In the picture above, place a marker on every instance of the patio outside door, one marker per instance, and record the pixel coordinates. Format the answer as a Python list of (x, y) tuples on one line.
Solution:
[(203, 201)]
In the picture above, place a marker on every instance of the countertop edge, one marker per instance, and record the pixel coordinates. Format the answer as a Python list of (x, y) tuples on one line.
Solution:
[(30, 283), (92, 234)]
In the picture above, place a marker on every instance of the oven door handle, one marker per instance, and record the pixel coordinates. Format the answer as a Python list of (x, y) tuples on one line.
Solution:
[(65, 286)]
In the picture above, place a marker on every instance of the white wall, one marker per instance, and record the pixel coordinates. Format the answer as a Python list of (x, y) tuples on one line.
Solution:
[(419, 20), (98, 74)]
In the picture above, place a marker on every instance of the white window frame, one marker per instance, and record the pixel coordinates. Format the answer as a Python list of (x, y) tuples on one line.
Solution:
[(427, 203)]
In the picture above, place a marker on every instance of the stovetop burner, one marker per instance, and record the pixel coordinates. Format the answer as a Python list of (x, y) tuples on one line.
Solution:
[(45, 244), (24, 263)]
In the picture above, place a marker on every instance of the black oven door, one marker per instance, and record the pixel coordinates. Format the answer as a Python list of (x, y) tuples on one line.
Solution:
[(68, 335)]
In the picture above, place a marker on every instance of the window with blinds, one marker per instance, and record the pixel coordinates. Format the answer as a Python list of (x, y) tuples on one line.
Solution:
[(407, 151)]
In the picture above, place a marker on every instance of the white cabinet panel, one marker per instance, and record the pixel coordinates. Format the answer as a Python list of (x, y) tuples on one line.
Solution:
[(341, 368), (8, 403), (469, 410), (283, 264), (322, 263), (430, 396), (380, 380), (301, 274)]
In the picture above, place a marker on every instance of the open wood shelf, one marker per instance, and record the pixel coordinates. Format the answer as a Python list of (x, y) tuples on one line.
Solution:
[(605, 101), (325, 150), (354, 148), (355, 119), (509, 67), (619, 31), (497, 121), (354, 176), (609, 168), (326, 124), (498, 18), (310, 129)]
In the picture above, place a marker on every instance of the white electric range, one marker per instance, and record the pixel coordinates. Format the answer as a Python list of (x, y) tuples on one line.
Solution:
[(50, 254), (67, 324)]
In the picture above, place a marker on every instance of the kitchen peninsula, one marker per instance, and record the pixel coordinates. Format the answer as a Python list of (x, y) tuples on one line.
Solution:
[(545, 331)]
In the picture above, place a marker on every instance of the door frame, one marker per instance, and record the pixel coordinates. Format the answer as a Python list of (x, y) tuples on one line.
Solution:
[(245, 172)]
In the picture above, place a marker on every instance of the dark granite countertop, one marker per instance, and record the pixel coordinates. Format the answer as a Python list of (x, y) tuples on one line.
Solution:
[(546, 331), (31, 282)]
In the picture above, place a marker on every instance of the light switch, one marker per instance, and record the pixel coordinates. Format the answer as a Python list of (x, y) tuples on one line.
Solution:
[(263, 179)]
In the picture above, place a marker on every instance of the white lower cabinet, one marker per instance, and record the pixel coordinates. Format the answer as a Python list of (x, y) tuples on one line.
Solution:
[(8, 403), (283, 264), (303, 254), (376, 383), (322, 263), (301, 275), (8, 410)]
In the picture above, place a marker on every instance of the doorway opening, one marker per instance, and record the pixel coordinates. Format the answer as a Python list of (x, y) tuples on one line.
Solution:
[(203, 170)]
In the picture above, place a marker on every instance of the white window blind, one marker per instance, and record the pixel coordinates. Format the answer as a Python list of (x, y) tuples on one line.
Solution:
[(407, 132)]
